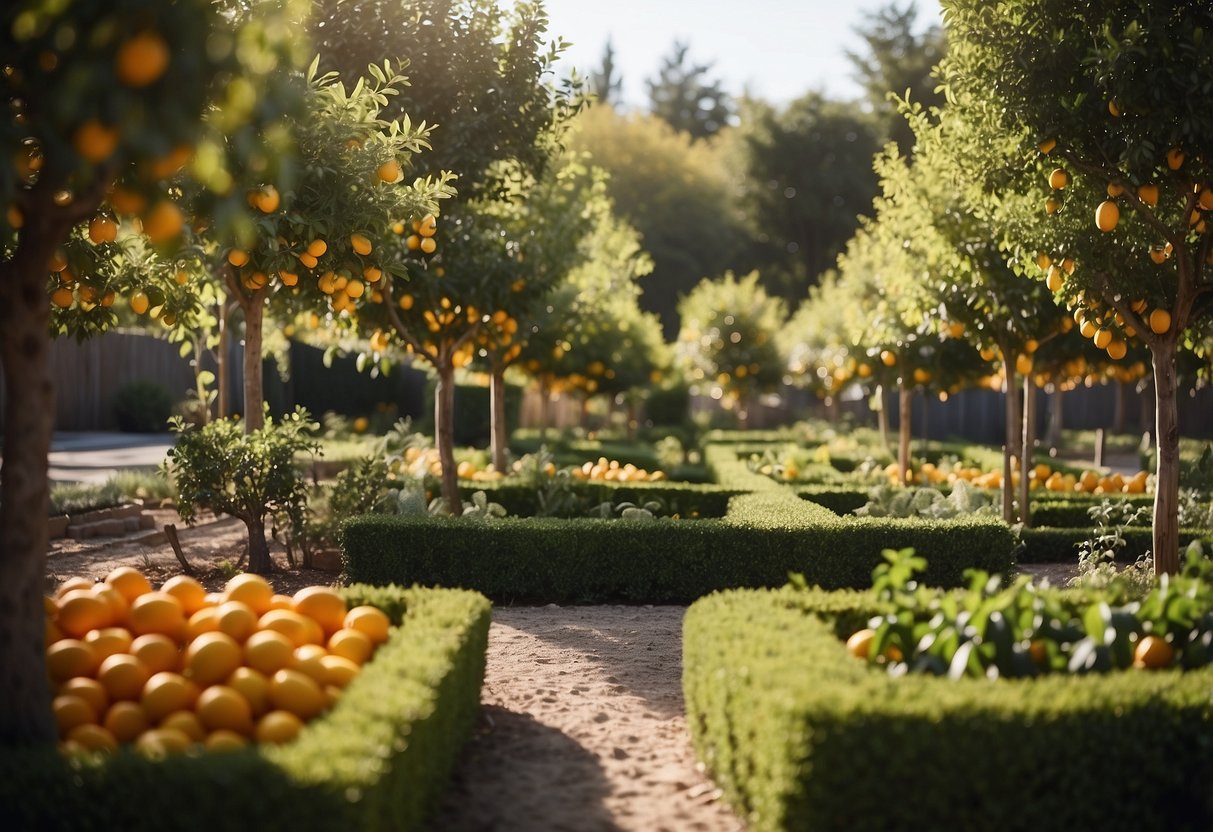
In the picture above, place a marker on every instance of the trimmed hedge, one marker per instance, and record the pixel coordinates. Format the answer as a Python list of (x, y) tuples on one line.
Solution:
[(800, 735), (707, 500), (763, 537), (1071, 510), (377, 761), (1048, 545), (838, 499)]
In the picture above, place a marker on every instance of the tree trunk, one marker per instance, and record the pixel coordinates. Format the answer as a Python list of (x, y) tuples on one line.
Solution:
[(254, 392), (1166, 494), (633, 417), (583, 411), (223, 405), (1029, 445), (1014, 436), (1056, 417), (905, 398), (259, 560), (444, 435), (882, 415), (498, 431), (545, 408), (1118, 409), (29, 409)]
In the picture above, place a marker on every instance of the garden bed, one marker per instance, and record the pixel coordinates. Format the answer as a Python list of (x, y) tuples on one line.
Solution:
[(378, 760), (801, 735)]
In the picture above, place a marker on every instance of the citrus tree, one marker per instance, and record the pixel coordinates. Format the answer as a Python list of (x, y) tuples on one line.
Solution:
[(1097, 98), (727, 340), (99, 95)]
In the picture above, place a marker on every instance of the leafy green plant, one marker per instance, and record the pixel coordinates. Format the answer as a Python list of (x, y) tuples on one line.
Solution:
[(480, 509), (627, 511), (1097, 554), (247, 476), (890, 501), (142, 407)]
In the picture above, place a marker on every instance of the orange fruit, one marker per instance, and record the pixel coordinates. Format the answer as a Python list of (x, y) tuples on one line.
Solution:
[(70, 657), (413, 242), (1117, 349), (237, 257), (860, 643), (288, 622), (166, 692), (157, 651), (71, 710), (322, 604), (142, 59), (277, 727), (281, 602), (317, 248), (1175, 158), (306, 659), (254, 686), (295, 691), (338, 670), (93, 737), (237, 619), (119, 607), (1153, 652), (94, 141), (428, 246), (73, 583), (390, 171), (188, 591), (109, 640), (125, 201), (158, 612), (205, 620), (160, 742), (175, 160), (251, 589), (222, 707), (1107, 215), (140, 303), (163, 222), (1058, 179), (308, 260), (211, 658), (126, 721), (372, 622), (268, 651), (1159, 321), (1047, 146), (187, 722), (81, 610), (102, 230), (352, 644), (224, 740), (360, 244), (123, 676), (90, 690), (129, 581), (266, 199), (1148, 194), (428, 226)]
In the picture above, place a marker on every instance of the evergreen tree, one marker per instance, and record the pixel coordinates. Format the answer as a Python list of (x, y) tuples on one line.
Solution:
[(605, 82), (684, 97)]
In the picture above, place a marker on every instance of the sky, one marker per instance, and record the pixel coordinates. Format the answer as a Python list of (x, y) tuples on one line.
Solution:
[(773, 49)]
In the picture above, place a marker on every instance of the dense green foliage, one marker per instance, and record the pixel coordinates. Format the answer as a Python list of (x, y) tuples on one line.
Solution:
[(378, 761), (800, 735)]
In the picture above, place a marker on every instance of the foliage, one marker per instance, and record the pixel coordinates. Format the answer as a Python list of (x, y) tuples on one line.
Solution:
[(142, 407), (888, 501), (1097, 555), (684, 98), (604, 82)]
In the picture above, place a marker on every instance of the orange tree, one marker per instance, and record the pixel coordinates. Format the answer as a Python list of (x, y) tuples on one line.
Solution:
[(95, 94), (1098, 99), (727, 341)]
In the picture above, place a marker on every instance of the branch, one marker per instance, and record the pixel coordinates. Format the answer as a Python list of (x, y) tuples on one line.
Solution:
[(394, 317), (1130, 317), (1135, 202)]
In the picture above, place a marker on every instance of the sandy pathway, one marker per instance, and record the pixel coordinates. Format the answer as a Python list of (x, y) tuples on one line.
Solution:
[(583, 728)]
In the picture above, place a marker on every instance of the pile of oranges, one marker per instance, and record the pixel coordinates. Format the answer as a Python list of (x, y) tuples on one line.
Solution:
[(170, 669)]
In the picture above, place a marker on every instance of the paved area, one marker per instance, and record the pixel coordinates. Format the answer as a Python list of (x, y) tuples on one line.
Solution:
[(92, 457)]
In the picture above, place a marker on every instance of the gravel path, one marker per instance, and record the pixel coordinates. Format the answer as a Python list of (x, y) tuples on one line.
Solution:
[(583, 728)]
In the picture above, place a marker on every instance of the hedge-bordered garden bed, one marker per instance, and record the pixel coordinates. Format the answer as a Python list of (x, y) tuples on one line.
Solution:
[(378, 761), (800, 735)]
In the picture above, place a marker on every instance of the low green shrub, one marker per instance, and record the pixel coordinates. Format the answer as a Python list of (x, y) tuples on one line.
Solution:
[(1047, 545), (839, 499), (142, 407), (378, 760), (800, 735), (686, 499)]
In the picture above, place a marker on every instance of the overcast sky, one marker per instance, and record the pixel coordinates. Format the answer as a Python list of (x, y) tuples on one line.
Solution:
[(775, 49)]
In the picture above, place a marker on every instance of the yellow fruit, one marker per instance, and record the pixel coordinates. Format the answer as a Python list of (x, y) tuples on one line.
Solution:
[(158, 612), (307, 660), (71, 710), (205, 620), (129, 581), (224, 740), (351, 644), (220, 707), (90, 690), (360, 244), (288, 622), (266, 199), (295, 691), (860, 643), (1052, 205), (428, 246), (126, 721), (1115, 189), (82, 610), (338, 670), (1058, 179), (372, 622), (888, 358), (93, 737), (123, 676), (277, 727), (119, 607), (1114, 108), (412, 242), (1102, 338), (187, 722), (1023, 364), (254, 686), (157, 651), (1152, 653), (211, 658), (142, 59), (1054, 280), (322, 604), (139, 303), (268, 651), (1148, 194), (1117, 349), (280, 602), (390, 171), (166, 692), (1107, 215), (237, 619), (163, 222), (251, 589), (160, 742), (1160, 322), (94, 141), (317, 248), (187, 591), (372, 274), (308, 261)]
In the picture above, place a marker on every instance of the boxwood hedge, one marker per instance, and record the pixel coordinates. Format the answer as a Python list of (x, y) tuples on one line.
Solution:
[(377, 761), (800, 735)]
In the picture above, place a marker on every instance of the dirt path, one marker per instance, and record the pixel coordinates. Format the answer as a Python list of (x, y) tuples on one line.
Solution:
[(583, 728)]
